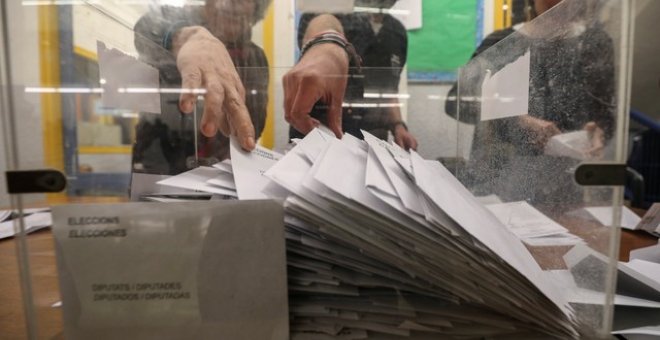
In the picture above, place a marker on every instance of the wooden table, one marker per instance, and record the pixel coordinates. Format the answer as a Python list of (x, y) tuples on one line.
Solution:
[(46, 288), (44, 279)]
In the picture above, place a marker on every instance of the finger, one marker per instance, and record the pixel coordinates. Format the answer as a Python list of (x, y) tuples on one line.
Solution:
[(335, 117), (191, 81), (289, 96), (239, 86), (413, 144), (213, 103), (595, 152), (399, 141), (239, 119), (209, 127), (306, 96)]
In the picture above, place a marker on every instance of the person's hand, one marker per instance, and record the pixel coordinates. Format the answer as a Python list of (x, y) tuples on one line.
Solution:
[(321, 74), (539, 131), (204, 62), (597, 138), (404, 138)]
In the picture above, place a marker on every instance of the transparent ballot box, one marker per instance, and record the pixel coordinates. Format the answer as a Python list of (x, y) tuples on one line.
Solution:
[(549, 105), (465, 198)]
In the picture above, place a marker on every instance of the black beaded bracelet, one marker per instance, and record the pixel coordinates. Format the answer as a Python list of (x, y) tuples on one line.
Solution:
[(337, 39)]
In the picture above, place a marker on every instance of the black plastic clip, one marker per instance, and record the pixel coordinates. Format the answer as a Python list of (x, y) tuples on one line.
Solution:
[(35, 181), (601, 174)]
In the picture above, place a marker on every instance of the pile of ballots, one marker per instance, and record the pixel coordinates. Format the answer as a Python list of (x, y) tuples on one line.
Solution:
[(384, 244)]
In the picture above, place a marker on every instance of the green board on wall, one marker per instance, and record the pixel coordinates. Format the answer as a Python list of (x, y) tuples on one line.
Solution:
[(447, 38)]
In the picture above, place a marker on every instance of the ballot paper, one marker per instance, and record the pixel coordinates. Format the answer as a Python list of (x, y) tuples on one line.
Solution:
[(645, 268), (128, 83), (4, 214), (637, 295), (640, 333), (399, 183), (33, 219), (451, 196), (197, 179), (604, 215), (225, 166), (409, 13), (315, 142), (587, 265), (384, 243), (651, 220), (572, 144), (563, 239), (577, 295), (343, 222), (223, 180), (249, 168), (147, 185), (506, 93), (524, 220), (651, 254), (202, 270)]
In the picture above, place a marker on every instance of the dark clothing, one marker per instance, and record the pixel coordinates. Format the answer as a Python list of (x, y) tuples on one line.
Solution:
[(571, 79), (383, 56), (165, 143), (571, 84)]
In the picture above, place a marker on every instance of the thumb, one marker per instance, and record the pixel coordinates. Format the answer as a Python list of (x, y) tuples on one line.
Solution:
[(399, 141)]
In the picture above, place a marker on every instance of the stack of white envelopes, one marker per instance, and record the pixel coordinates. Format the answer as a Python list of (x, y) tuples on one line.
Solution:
[(384, 244)]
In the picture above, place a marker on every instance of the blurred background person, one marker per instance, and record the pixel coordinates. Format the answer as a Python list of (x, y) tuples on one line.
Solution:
[(571, 88)]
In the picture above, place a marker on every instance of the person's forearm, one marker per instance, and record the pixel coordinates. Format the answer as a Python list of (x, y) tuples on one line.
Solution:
[(322, 23), (393, 112)]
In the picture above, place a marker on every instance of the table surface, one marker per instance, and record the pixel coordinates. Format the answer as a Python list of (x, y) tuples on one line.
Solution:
[(46, 288)]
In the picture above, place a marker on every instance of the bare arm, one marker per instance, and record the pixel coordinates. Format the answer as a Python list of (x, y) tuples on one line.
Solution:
[(321, 74), (401, 134)]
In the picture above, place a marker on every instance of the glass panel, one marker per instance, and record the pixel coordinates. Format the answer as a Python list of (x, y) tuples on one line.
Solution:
[(545, 98), (85, 78)]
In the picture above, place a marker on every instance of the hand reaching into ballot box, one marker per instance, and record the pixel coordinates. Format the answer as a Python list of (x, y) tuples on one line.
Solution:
[(404, 138), (320, 75), (204, 62)]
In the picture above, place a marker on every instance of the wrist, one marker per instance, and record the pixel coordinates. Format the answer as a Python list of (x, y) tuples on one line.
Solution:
[(332, 38), (327, 52), (310, 37), (184, 34)]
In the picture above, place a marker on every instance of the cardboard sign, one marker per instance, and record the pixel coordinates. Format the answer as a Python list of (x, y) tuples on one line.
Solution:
[(193, 270)]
